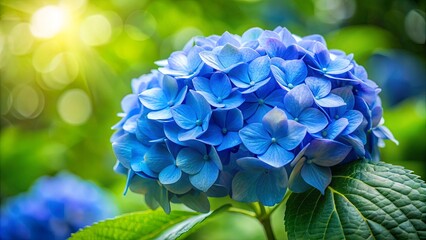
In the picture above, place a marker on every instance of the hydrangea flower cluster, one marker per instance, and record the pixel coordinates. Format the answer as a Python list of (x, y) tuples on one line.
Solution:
[(54, 208), (246, 116)]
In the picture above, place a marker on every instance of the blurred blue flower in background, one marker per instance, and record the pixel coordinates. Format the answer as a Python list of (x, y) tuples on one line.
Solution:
[(54, 208)]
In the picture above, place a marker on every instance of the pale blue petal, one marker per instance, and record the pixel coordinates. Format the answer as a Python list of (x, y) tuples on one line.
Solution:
[(206, 177), (201, 84), (259, 69), (181, 96), (170, 88), (298, 99), (163, 114), (275, 122), (244, 186), (189, 160), (316, 176), (229, 55), (191, 134), (320, 87), (331, 100), (153, 99), (327, 153), (313, 119), (248, 54), (256, 86), (276, 156), (255, 138), (199, 104), (268, 191), (384, 133), (339, 66), (279, 75), (184, 116), (273, 47), (227, 38), (170, 175), (211, 59)]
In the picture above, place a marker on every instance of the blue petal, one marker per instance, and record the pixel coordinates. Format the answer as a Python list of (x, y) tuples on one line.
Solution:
[(255, 138), (131, 124), (346, 94), (279, 75), (248, 54), (213, 136), (197, 201), (355, 142), (199, 105), (227, 38), (297, 184), (269, 191), (214, 157), (335, 128), (171, 131), (189, 160), (206, 177), (313, 119), (170, 87), (192, 134), (327, 153), (275, 122), (298, 99), (181, 186), (293, 137), (295, 71), (178, 61), (163, 114), (244, 186), (158, 157), (316, 176), (331, 100), (276, 156), (354, 118), (253, 164), (229, 55), (259, 69), (220, 85), (252, 34), (339, 66), (320, 87), (261, 111), (170, 175), (275, 98), (231, 139), (211, 59), (184, 116), (180, 96), (201, 84), (384, 133), (234, 100), (240, 76), (212, 99), (234, 120), (273, 47), (153, 99)]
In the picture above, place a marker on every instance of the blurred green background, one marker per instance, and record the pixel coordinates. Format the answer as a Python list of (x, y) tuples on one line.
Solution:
[(65, 65)]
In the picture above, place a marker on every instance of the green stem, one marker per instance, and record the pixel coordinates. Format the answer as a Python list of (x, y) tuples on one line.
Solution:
[(242, 211), (266, 223)]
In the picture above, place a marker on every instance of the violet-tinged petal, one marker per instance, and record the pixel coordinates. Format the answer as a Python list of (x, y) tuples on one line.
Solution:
[(327, 153), (316, 176)]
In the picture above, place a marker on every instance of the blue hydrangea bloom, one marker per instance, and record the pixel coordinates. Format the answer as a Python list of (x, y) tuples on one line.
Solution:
[(54, 208), (235, 115)]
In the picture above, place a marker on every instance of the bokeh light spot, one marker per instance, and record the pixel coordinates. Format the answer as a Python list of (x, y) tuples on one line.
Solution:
[(140, 25), (95, 30), (64, 69), (43, 55), (415, 26), (74, 107), (20, 39), (6, 100), (48, 21), (28, 102)]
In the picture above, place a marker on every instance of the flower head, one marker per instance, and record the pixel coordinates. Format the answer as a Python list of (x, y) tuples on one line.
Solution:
[(235, 115)]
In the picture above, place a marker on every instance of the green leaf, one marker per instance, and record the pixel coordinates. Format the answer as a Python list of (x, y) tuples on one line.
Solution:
[(364, 201), (146, 225)]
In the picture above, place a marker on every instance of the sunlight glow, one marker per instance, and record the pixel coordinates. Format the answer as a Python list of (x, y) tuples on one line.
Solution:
[(48, 21)]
